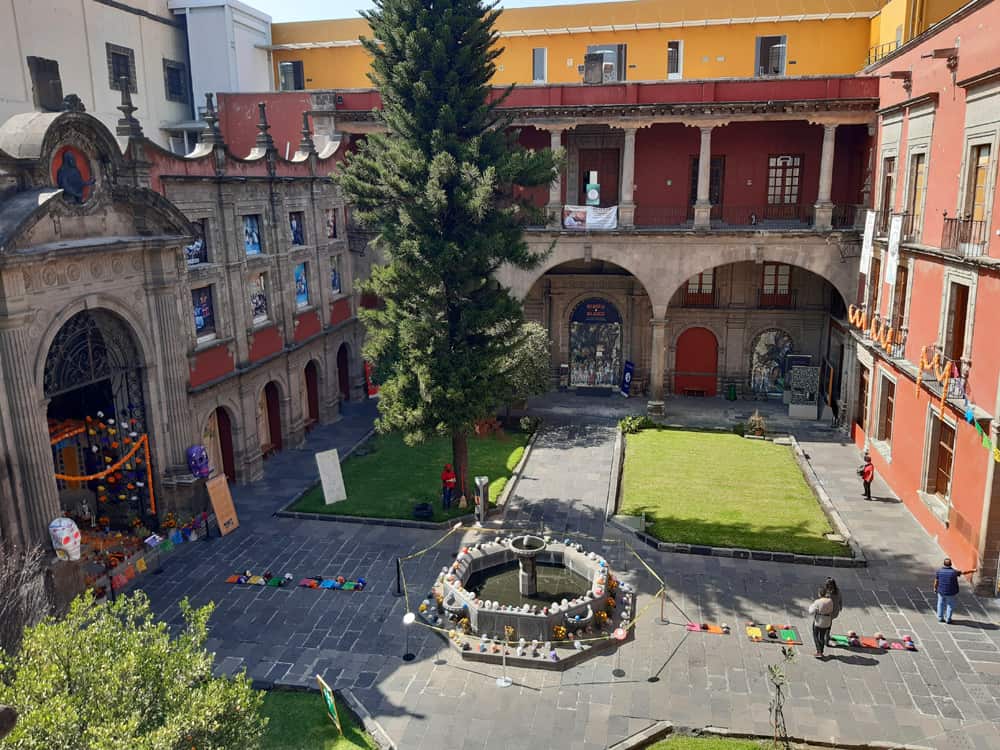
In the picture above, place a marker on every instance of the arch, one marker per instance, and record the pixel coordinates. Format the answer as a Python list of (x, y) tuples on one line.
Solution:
[(310, 374), (344, 371), (696, 366), (269, 418), (218, 439)]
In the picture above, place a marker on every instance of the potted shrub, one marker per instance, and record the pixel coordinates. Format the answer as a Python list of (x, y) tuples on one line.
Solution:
[(757, 425)]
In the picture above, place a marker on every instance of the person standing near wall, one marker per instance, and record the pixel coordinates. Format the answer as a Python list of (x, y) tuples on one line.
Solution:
[(946, 588), (867, 473)]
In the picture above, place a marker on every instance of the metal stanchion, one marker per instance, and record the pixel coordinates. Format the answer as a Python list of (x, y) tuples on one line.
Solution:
[(504, 681), (399, 578), (408, 619), (663, 614)]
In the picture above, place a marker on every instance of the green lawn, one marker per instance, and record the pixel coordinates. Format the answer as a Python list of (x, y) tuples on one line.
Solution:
[(389, 481), (299, 720), (680, 742), (722, 490)]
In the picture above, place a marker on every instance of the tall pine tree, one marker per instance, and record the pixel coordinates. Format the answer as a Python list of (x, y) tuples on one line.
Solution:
[(438, 189)]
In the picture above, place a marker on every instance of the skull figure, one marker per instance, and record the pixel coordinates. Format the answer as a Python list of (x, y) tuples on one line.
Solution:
[(198, 461), (65, 538)]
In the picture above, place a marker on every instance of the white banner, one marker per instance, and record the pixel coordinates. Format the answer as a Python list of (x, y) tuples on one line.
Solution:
[(892, 254), (583, 218), (868, 242)]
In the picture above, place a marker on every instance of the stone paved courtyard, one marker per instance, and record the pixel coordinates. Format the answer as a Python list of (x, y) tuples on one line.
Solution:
[(945, 696)]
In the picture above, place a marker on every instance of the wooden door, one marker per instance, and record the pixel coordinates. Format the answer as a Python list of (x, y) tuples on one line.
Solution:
[(273, 415), (606, 163), (696, 370), (943, 457)]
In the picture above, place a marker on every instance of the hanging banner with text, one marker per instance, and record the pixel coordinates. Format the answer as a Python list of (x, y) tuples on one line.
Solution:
[(868, 243), (590, 217), (892, 261)]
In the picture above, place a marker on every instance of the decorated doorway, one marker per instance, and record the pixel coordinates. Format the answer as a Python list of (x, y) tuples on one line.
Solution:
[(343, 372), (218, 439), (595, 342), (311, 381), (269, 420), (696, 370)]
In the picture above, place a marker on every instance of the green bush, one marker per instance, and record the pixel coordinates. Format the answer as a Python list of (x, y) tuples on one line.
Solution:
[(111, 676), (530, 424), (740, 429), (633, 424)]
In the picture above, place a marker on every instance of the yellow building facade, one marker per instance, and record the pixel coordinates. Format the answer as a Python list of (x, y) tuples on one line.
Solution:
[(643, 40)]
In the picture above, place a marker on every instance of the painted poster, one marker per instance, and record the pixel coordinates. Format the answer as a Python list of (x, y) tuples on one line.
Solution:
[(331, 223), (296, 223), (627, 373), (251, 234), (204, 313), (867, 244), (769, 361), (197, 252), (595, 338), (301, 285), (583, 218), (258, 298), (892, 251)]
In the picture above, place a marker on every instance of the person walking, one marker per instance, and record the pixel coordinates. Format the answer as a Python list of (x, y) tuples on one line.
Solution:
[(448, 482), (822, 612), (867, 473), (946, 588)]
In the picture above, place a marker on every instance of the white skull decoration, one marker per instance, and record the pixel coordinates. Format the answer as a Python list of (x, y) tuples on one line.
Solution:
[(65, 538)]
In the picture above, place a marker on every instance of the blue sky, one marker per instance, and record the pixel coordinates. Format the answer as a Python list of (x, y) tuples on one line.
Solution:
[(310, 10)]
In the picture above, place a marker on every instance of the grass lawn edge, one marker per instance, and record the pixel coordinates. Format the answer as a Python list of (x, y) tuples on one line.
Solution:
[(678, 526)]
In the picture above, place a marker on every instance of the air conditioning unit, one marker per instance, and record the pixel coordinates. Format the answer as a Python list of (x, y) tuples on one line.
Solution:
[(593, 68)]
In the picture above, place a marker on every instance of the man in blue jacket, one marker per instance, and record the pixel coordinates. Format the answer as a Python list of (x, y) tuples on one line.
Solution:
[(946, 588)]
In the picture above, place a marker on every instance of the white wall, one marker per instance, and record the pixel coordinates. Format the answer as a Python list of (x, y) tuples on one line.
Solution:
[(224, 39), (74, 33)]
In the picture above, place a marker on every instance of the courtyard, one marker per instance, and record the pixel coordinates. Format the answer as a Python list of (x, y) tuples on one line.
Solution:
[(946, 692), (722, 490)]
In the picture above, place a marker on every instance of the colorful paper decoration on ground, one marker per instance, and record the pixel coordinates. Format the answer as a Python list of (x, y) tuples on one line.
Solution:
[(267, 579), (877, 642), (707, 627), (344, 584), (786, 634)]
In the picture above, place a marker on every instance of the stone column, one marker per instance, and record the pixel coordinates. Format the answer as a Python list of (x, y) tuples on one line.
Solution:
[(703, 204), (553, 209), (824, 207), (626, 209), (655, 404), (29, 450)]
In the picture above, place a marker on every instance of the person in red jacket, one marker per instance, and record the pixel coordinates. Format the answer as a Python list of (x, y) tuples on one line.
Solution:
[(867, 474), (448, 482)]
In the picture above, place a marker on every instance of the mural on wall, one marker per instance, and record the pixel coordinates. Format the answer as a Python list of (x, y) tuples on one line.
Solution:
[(204, 313), (301, 285), (197, 252), (258, 298), (71, 172), (769, 361), (251, 234), (296, 221), (595, 342)]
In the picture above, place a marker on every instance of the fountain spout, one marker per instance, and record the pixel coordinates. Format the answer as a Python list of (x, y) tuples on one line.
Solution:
[(526, 548)]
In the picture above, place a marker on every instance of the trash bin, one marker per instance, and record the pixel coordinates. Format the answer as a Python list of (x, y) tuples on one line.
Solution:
[(731, 392)]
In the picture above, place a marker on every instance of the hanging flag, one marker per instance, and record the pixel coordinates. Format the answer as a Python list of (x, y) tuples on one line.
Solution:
[(979, 429), (996, 454), (987, 443), (970, 415)]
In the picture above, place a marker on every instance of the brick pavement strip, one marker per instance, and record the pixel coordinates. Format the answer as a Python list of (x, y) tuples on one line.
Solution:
[(945, 695)]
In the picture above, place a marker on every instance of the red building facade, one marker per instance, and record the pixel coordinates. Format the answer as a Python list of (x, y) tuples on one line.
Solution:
[(924, 398)]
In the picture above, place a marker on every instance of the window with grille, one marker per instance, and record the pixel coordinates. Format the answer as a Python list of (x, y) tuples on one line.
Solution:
[(783, 178), (777, 277), (175, 81), (770, 55), (121, 64), (701, 284), (887, 402), (538, 65), (918, 186), (675, 51), (291, 76), (941, 457)]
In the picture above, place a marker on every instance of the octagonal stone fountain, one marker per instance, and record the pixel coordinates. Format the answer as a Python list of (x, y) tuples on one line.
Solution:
[(528, 588)]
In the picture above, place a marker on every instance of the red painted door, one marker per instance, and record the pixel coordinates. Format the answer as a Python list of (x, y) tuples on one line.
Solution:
[(697, 366), (604, 161), (273, 414)]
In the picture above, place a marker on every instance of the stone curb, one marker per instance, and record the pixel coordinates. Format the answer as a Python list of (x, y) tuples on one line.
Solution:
[(614, 486), (646, 737), (371, 725), (742, 554), (515, 475), (831, 743), (836, 520)]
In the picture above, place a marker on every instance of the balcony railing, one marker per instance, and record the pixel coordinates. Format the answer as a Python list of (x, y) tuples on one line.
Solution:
[(882, 218), (664, 216), (967, 237), (701, 299), (771, 216), (879, 51), (777, 300), (848, 216)]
